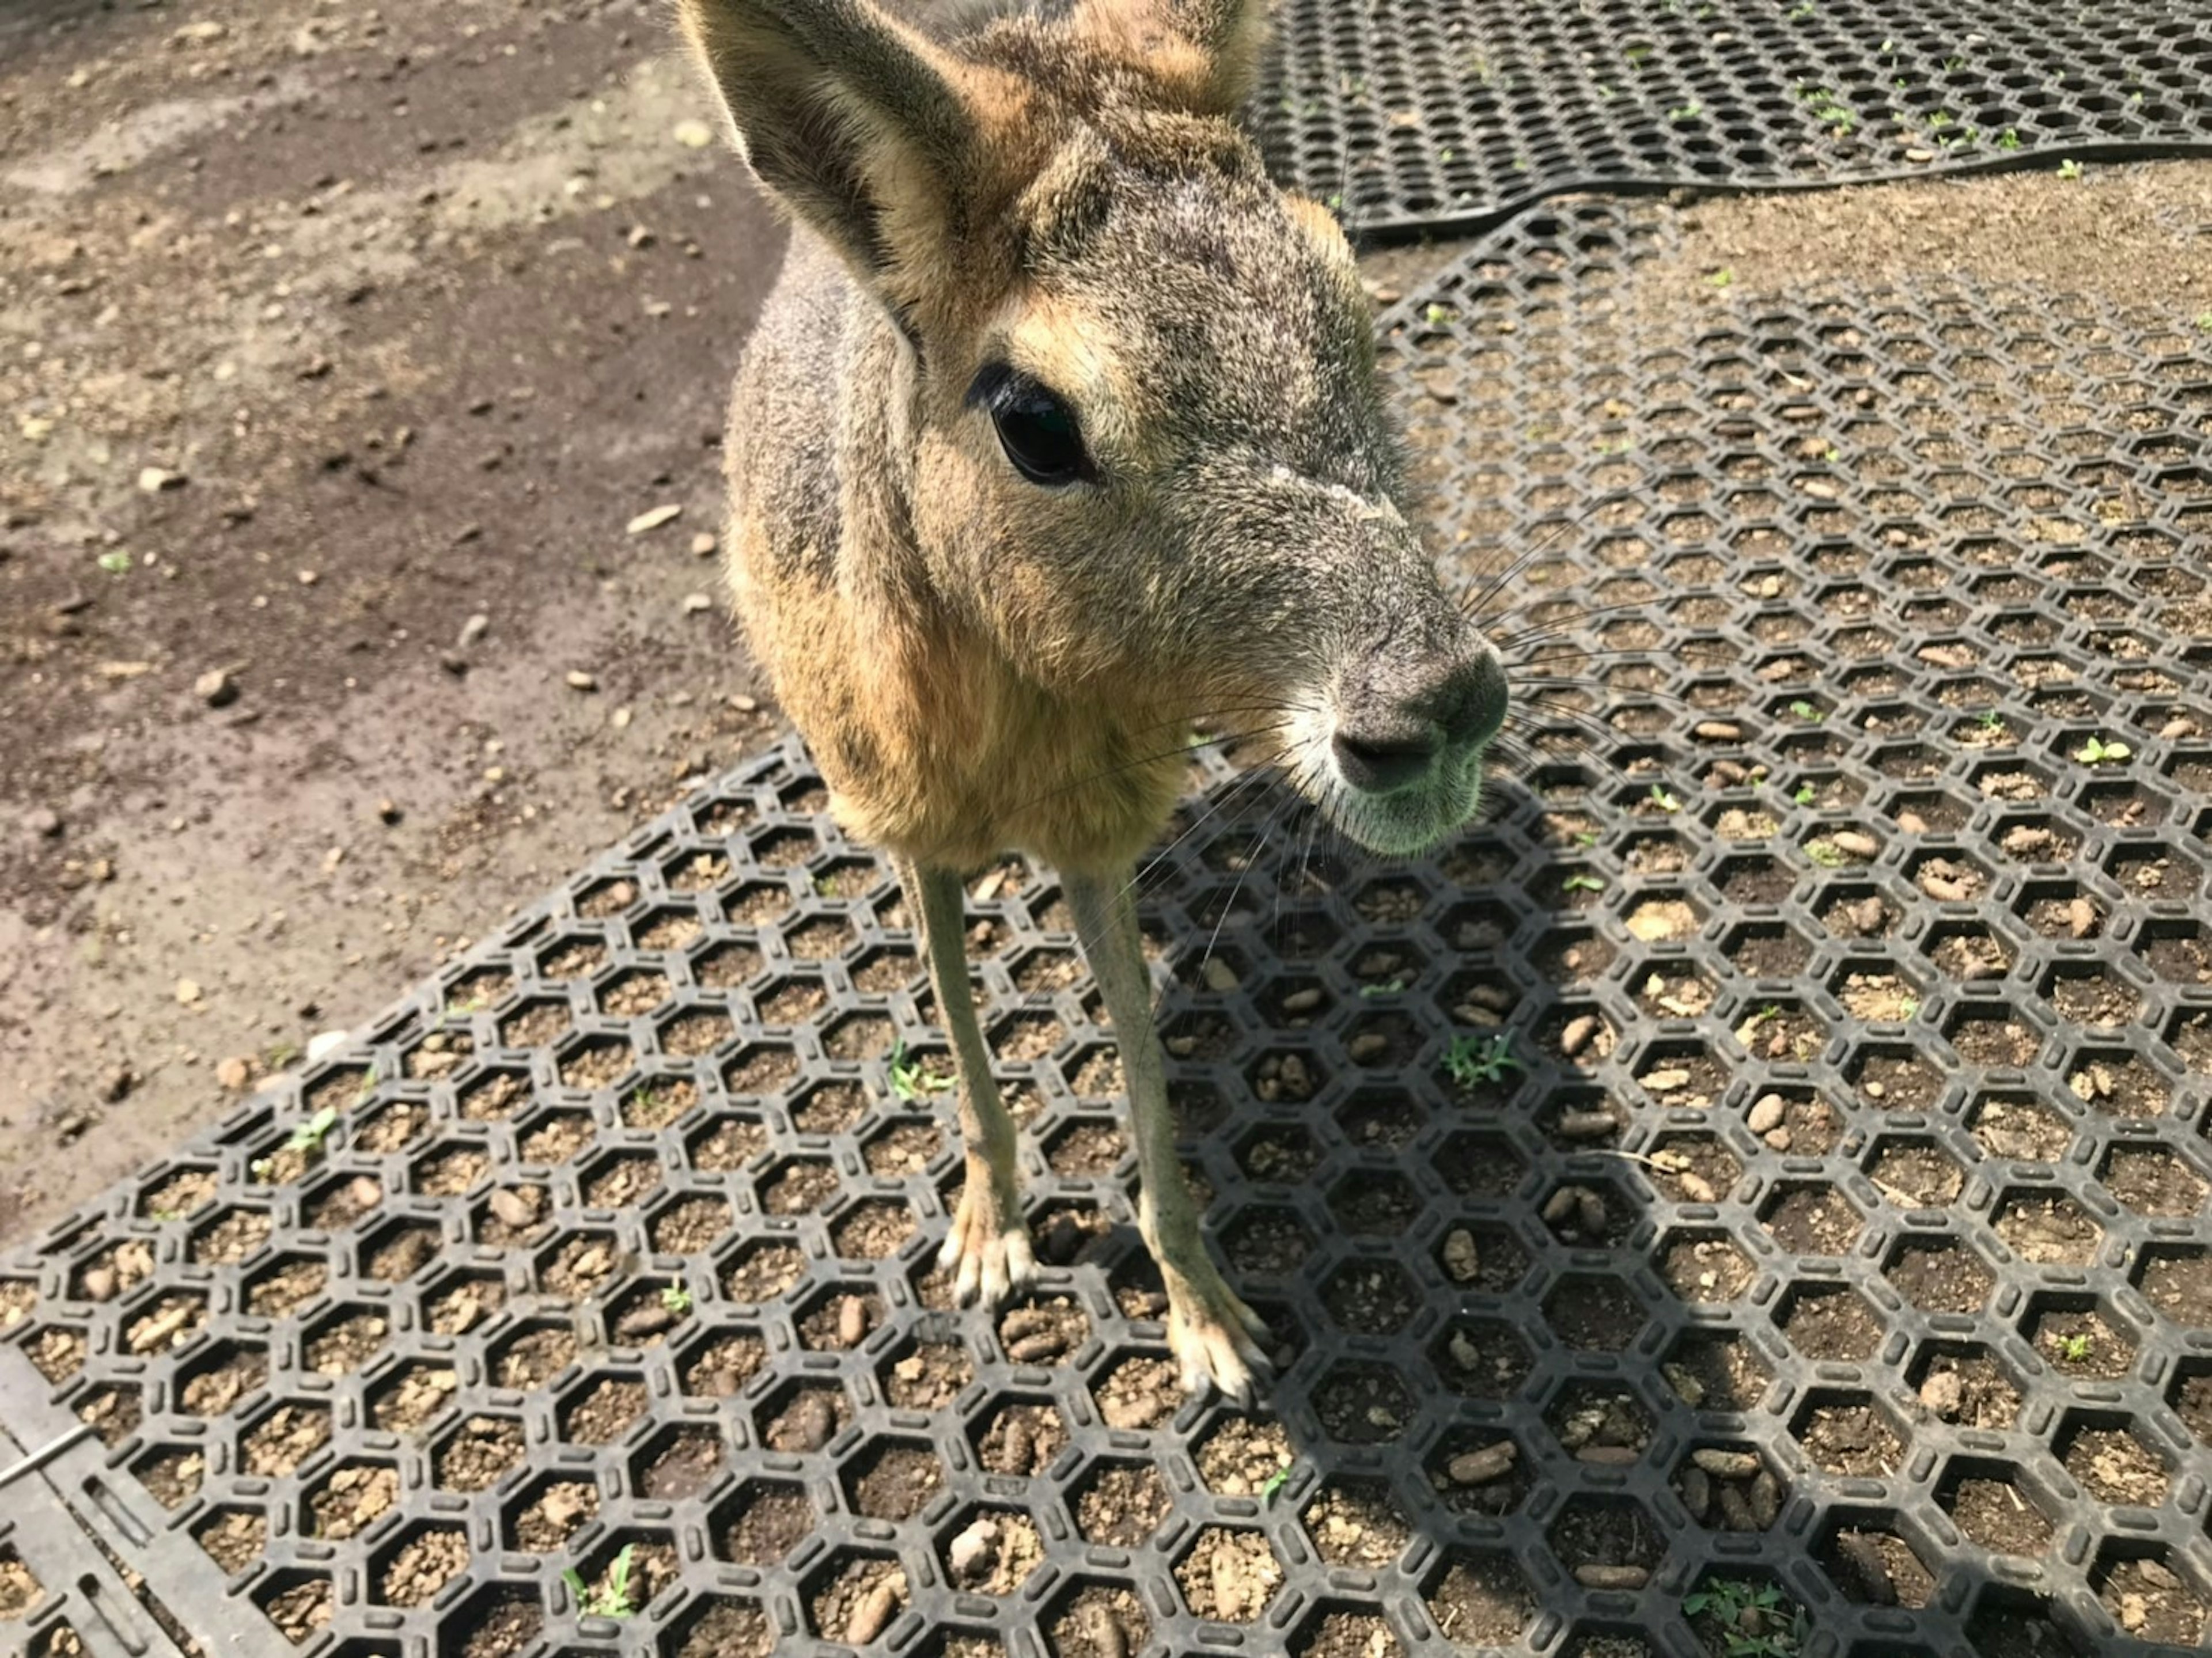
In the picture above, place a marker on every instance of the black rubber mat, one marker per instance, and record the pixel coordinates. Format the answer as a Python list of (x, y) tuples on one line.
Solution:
[(1749, 1198), (1450, 115)]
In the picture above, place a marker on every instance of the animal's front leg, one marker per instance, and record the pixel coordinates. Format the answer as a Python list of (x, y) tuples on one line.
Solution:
[(1213, 1334), (988, 1249)]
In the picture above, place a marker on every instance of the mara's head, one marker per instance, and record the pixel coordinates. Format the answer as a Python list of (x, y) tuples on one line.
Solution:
[(1133, 417)]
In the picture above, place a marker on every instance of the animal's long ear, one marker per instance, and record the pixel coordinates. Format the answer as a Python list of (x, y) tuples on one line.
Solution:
[(863, 127), (1208, 50)]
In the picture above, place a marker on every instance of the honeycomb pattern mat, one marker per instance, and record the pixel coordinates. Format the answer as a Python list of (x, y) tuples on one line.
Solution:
[(1748, 1197), (1435, 115)]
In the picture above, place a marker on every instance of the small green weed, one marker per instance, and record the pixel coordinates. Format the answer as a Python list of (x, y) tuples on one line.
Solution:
[(1582, 883), (1724, 277), (2098, 752), (1688, 111), (307, 1137), (116, 563), (2073, 1349), (1825, 853), (2069, 168), (1390, 987), (909, 1082), (1275, 1482), (1753, 1620), (612, 1601), (677, 1299), (1665, 802), (1473, 1060), (1806, 794), (1810, 713)]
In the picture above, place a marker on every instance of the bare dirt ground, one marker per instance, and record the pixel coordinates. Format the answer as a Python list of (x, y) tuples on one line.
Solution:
[(326, 329)]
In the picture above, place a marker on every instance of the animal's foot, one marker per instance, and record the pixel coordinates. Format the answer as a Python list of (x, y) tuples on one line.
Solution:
[(1214, 1336), (987, 1251)]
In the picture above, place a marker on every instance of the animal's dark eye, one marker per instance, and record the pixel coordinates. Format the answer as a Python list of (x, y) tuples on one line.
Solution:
[(1039, 433)]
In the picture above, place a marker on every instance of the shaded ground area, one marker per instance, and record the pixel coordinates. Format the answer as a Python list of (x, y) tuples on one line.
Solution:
[(323, 331)]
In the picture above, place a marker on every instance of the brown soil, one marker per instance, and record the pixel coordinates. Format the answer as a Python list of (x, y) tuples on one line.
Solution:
[(1940, 1275), (1993, 1515), (861, 1600), (423, 1567), (1481, 1601), (1716, 1373), (285, 1439), (719, 1369), (604, 1414), (994, 1553), (2113, 1467), (498, 1628), (2080, 1346), (1877, 1568), (1356, 1523), (1850, 1440), (729, 1629), (233, 1538), (1122, 1504), (1348, 1635), (352, 1499), (685, 1467), (771, 1519), (300, 1610), (2151, 1602), (1831, 1322), (1229, 1575), (1098, 1622), (529, 1362), (1969, 1390), (473, 1459), (896, 1482)]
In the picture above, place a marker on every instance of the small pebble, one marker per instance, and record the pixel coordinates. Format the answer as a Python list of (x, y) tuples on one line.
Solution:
[(1481, 1467), (1766, 1113), (852, 1321), (1576, 1037), (1612, 1577), (1855, 844), (580, 680), (1461, 1258), (871, 1614), (1726, 1464)]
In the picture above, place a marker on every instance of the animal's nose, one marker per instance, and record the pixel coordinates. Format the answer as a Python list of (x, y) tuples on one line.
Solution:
[(1377, 759), (1384, 743)]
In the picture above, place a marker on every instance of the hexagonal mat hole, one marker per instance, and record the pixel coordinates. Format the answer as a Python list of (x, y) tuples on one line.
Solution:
[(1703, 1266), (1730, 1609), (477, 1454), (418, 1566), (498, 1621), (233, 1538), (1692, 1168), (926, 1375), (299, 1603), (1482, 1358), (1715, 1370), (1356, 1523), (1369, 1296), (1730, 1488), (2112, 1461), (1811, 1219), (1229, 1575), (719, 1626), (906, 1147), (1364, 1404), (803, 1416), (400, 1250), (2046, 1227), (167, 1322), (1827, 1321), (1964, 1384), (1848, 1434), (1589, 1215), (550, 1509), (1938, 1274), (1914, 1172), (1479, 1599), (1870, 1564), (172, 1474), (1372, 1203), (216, 1382), (1265, 1242), (532, 1356), (2177, 1279), (761, 1522), (873, 1229), (411, 1397), (762, 1270), (2147, 1598), (1477, 1470), (1891, 1078), (284, 1438), (2018, 1128), (991, 1551), (1120, 1504), (1591, 1314), (1094, 1620), (625, 1573), (1607, 1543), (2073, 1337), (2151, 1179), (350, 1500), (1599, 1422), (1986, 1501), (678, 1463), (1020, 1437), (1044, 1330), (893, 1480), (1140, 1392)]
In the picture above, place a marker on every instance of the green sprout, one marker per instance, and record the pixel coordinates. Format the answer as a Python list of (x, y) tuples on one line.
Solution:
[(1438, 314), (116, 563), (909, 1082), (1275, 1482), (1806, 794), (2069, 168), (1725, 277), (1666, 803), (307, 1137), (1586, 838), (2204, 322), (1826, 853), (1991, 720), (2008, 139), (1749, 1618), (1809, 711), (1582, 883), (612, 1600), (1388, 988), (1688, 111), (2073, 1349), (677, 1299), (2098, 752), (1472, 1061)]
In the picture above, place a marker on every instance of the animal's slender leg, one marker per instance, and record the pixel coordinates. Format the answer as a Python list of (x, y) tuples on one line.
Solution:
[(988, 1247), (1211, 1331)]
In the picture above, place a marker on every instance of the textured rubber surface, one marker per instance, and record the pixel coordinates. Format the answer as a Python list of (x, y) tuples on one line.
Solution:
[(1782, 1126), (1442, 115)]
